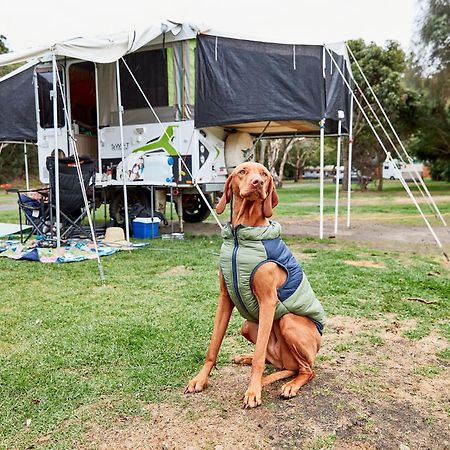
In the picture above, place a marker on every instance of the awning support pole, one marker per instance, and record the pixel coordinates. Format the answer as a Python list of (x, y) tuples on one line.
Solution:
[(338, 173), (25, 157), (55, 151), (350, 155), (122, 147), (73, 145), (97, 107), (322, 167)]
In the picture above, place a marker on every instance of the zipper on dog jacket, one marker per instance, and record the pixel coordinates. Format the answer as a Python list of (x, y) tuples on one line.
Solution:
[(244, 249)]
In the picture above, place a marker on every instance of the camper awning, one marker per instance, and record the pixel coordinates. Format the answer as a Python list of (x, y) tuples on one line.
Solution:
[(106, 49), (279, 88)]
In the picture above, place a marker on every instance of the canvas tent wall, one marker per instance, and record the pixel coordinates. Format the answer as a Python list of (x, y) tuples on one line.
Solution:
[(245, 85), (17, 105)]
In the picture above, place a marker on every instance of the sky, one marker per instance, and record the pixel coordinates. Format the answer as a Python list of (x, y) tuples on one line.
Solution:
[(29, 23)]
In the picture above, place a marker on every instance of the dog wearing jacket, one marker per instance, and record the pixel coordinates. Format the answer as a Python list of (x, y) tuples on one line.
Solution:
[(261, 278)]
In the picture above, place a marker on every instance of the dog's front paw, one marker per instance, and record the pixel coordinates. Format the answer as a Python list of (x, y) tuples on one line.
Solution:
[(252, 398), (197, 384)]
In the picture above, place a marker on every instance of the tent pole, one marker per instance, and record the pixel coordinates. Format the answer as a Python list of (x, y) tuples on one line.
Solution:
[(25, 157), (55, 130), (124, 165), (73, 145), (322, 166), (97, 106), (350, 155), (338, 173)]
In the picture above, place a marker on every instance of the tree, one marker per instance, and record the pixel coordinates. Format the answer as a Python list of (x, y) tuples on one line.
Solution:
[(301, 155), (430, 72), (383, 67), (3, 49)]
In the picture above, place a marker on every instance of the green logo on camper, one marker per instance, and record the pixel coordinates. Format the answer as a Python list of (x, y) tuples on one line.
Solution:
[(164, 142)]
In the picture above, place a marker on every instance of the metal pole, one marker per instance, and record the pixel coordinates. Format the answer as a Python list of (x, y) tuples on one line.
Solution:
[(322, 166), (25, 157), (338, 173), (350, 154), (56, 159), (97, 106), (124, 165)]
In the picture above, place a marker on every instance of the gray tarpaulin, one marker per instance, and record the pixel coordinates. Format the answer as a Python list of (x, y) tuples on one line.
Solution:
[(241, 81)]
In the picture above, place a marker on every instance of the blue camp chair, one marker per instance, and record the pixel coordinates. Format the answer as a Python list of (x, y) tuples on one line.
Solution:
[(34, 213)]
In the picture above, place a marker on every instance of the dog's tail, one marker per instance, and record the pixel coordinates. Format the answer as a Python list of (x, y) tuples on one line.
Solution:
[(280, 375)]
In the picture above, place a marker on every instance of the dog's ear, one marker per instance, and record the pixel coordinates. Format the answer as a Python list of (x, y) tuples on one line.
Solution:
[(271, 200), (226, 197)]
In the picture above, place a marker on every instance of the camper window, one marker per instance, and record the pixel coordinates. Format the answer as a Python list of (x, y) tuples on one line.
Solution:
[(45, 86), (150, 71)]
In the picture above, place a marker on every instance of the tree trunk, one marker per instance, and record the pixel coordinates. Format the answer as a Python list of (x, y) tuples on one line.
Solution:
[(261, 155), (380, 177), (347, 172)]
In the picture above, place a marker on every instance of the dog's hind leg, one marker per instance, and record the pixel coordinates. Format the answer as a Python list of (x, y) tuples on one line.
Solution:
[(279, 375), (244, 360), (303, 342), (249, 330)]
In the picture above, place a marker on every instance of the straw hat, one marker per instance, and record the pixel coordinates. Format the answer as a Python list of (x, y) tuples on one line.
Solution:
[(115, 237)]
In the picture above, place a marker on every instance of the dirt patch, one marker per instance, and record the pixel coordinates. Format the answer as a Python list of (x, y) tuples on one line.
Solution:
[(372, 264), (374, 389), (178, 271)]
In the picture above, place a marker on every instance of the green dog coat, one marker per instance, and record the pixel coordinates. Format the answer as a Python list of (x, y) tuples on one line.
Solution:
[(244, 249)]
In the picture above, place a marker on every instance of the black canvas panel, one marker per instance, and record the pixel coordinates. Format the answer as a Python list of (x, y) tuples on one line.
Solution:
[(18, 108), (239, 81)]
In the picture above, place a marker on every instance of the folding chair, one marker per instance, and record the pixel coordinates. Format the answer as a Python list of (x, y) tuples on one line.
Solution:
[(34, 210), (71, 202)]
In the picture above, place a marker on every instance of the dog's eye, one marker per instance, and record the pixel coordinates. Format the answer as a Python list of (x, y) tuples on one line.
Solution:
[(264, 174), (242, 172)]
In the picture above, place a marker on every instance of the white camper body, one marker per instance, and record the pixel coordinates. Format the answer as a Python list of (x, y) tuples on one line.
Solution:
[(160, 154)]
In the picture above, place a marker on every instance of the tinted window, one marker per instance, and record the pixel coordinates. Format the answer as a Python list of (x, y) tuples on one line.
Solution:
[(45, 86), (150, 71)]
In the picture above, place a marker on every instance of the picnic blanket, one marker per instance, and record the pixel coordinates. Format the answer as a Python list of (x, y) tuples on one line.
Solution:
[(73, 250)]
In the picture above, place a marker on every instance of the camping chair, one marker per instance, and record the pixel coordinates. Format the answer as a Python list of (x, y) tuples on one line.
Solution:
[(71, 202), (34, 210)]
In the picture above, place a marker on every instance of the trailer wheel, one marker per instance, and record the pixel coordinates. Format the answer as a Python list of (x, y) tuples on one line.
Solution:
[(116, 209), (194, 208)]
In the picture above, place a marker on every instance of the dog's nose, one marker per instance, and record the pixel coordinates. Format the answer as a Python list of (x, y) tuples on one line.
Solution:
[(257, 182)]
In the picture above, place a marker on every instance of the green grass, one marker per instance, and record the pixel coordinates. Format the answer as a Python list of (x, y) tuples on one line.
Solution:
[(72, 351), (392, 204)]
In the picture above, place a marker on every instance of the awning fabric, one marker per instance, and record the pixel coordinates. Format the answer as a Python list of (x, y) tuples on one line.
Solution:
[(17, 106), (247, 82), (106, 49)]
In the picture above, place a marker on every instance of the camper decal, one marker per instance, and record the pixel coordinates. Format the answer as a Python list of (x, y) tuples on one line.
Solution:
[(161, 143)]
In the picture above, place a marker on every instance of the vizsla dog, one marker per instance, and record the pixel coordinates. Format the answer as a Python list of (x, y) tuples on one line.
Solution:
[(259, 275)]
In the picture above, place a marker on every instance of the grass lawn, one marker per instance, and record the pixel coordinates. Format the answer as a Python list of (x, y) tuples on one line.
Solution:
[(73, 353)]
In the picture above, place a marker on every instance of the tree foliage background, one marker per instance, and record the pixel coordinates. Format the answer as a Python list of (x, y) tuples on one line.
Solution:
[(429, 72)]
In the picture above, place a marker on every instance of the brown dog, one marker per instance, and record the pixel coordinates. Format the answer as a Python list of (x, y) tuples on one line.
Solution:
[(288, 340)]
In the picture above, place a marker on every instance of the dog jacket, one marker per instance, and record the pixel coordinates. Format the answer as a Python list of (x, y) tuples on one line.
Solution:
[(244, 249)]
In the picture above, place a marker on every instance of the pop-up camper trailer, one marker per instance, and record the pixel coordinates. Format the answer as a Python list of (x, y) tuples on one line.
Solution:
[(173, 106)]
